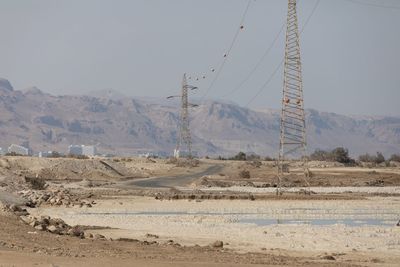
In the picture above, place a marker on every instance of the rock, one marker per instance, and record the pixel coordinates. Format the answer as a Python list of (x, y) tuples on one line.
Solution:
[(34, 223), (44, 220), (40, 227), (217, 244), (398, 223), (76, 231), (152, 236), (26, 219), (21, 213), (14, 208), (53, 229), (328, 257), (88, 235), (57, 222), (99, 237), (87, 183)]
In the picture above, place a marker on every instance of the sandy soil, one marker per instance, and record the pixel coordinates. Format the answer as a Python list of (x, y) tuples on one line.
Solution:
[(323, 174)]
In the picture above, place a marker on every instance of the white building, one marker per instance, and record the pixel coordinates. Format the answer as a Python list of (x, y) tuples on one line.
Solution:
[(20, 150), (45, 154), (82, 150), (89, 150), (75, 150), (1, 151)]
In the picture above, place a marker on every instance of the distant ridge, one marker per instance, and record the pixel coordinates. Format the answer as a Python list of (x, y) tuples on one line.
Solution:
[(125, 126)]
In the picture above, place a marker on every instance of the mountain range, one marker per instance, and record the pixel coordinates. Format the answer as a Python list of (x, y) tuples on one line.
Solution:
[(121, 125)]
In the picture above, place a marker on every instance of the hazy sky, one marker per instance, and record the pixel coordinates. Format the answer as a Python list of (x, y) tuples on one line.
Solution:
[(350, 52)]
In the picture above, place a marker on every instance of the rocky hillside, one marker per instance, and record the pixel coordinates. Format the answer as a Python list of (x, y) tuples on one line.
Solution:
[(124, 126)]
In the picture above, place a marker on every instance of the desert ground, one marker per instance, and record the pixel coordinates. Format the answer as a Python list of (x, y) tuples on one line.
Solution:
[(163, 212)]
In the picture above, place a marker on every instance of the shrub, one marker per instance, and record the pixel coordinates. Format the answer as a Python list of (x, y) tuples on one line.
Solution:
[(320, 155), (245, 174), (35, 182), (13, 154), (379, 158), (268, 158), (239, 156), (78, 156), (253, 157), (55, 154), (339, 154), (395, 157), (366, 158)]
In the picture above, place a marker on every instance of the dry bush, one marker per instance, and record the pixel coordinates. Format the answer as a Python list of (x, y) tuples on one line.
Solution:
[(36, 183), (245, 174), (172, 160), (187, 163)]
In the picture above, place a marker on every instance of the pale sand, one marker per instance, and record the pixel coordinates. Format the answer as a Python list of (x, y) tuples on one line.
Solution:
[(203, 229)]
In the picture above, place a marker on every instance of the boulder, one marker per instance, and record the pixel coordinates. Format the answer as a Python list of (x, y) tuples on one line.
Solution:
[(53, 229), (76, 231), (99, 237), (217, 244)]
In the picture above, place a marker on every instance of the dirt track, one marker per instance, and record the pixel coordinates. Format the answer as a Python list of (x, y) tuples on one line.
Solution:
[(173, 181)]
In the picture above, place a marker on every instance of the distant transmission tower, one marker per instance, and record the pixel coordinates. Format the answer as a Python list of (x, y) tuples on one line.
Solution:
[(293, 128), (184, 137)]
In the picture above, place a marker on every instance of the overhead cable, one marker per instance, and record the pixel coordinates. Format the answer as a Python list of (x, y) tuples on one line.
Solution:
[(225, 56), (281, 63)]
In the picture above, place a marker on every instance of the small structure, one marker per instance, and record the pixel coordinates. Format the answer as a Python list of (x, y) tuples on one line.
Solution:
[(89, 150), (75, 150), (19, 150), (46, 154), (1, 151), (79, 150)]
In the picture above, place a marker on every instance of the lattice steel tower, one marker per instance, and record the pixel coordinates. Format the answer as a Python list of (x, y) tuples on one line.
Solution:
[(293, 128), (184, 130)]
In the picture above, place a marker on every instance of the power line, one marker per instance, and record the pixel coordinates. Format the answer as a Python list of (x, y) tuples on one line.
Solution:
[(266, 83), (281, 63), (359, 2), (255, 68), (220, 68)]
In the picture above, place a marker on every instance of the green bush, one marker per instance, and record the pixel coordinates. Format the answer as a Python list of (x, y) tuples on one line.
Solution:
[(339, 154), (395, 157), (239, 156), (379, 158)]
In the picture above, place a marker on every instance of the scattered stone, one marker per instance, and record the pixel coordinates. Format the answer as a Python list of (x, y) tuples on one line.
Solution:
[(152, 236), (127, 239), (76, 231), (217, 244), (328, 257), (53, 229), (88, 235), (26, 219), (40, 227), (99, 237)]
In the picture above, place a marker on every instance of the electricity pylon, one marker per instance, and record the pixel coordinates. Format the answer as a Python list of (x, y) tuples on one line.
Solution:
[(293, 127), (184, 137)]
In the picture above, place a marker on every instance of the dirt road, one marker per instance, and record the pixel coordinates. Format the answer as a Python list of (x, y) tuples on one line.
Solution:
[(172, 181)]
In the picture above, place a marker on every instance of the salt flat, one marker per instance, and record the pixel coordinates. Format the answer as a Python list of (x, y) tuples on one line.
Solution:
[(333, 226)]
